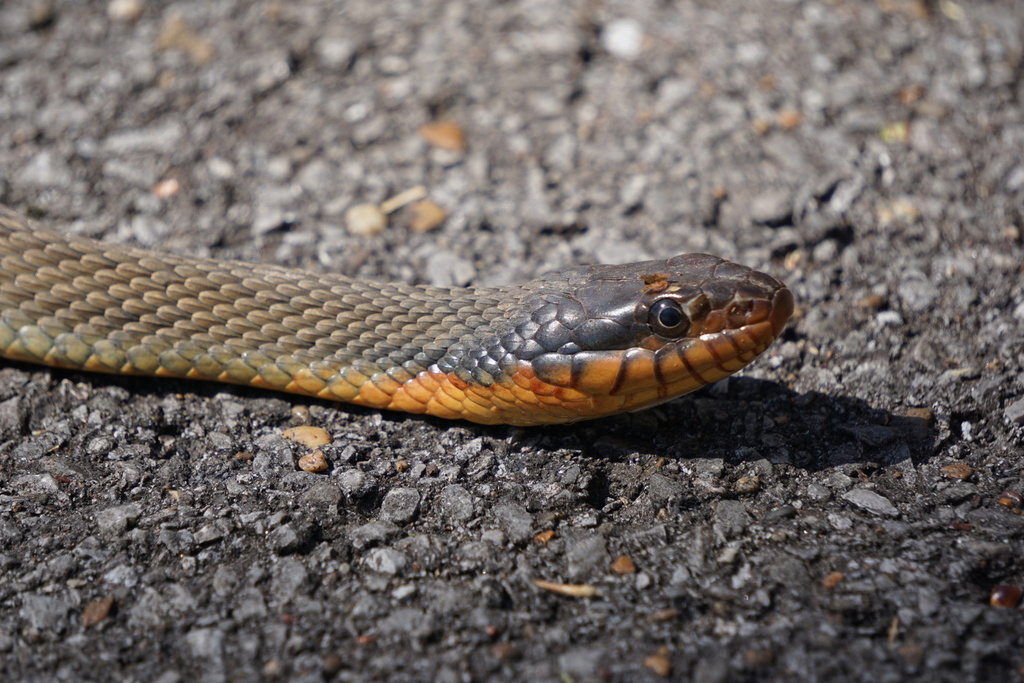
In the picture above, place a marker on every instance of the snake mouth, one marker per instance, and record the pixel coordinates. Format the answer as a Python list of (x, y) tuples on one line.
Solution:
[(688, 364), (715, 355)]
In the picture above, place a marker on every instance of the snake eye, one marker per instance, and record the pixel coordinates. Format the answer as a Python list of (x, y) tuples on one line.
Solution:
[(667, 318)]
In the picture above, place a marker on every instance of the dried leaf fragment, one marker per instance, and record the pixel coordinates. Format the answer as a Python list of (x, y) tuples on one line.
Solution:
[(426, 215), (659, 662), (624, 564), (573, 590), (97, 610), (444, 135)]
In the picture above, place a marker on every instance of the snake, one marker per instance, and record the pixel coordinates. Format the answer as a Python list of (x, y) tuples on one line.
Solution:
[(579, 343)]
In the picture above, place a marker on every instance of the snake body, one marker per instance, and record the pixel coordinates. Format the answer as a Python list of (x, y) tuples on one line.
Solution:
[(578, 344)]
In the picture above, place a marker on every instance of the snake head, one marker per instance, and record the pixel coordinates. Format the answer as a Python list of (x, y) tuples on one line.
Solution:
[(608, 339)]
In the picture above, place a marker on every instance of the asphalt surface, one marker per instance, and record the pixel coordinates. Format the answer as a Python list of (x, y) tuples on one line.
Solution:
[(846, 509)]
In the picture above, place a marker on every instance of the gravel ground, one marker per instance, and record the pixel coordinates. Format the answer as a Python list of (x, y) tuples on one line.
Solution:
[(844, 510)]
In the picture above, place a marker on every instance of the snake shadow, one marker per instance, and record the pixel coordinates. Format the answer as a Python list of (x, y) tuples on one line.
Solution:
[(742, 419)]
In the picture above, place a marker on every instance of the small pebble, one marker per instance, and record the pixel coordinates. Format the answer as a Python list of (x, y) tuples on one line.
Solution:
[(871, 501), (313, 462), (790, 119), (958, 471), (758, 658), (872, 301), (332, 664), (365, 220), (1012, 498), (310, 437), (504, 651), (166, 189), (623, 38), (920, 413), (748, 484), (1004, 596), (1015, 412), (125, 10), (400, 505)]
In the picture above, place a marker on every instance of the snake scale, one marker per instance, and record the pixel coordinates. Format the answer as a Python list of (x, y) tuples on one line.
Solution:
[(577, 344)]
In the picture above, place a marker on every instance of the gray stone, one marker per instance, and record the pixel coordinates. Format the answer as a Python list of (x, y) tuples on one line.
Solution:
[(874, 503), (477, 554), (791, 572), (121, 575), (162, 138), (773, 208), (249, 604), (449, 271), (587, 557), (292, 537), (817, 492), (46, 169), (114, 521), (407, 622), (385, 561), (468, 450), (731, 518), (62, 566), (273, 459), (12, 417), (205, 643), (290, 579), (45, 613), (323, 495), (1015, 412), (917, 292), (334, 52), (582, 663), (515, 521), (210, 533), (779, 513), (664, 492), (356, 484), (373, 534), (41, 485), (839, 522), (455, 503), (400, 505)]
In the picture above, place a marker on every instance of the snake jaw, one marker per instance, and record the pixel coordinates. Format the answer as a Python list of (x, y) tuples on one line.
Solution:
[(727, 328)]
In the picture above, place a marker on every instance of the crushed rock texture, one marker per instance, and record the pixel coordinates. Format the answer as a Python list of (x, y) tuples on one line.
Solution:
[(797, 522)]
